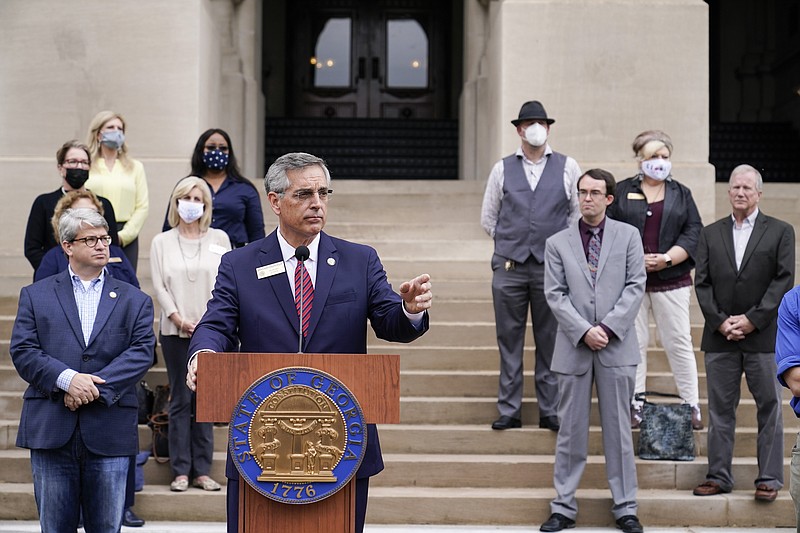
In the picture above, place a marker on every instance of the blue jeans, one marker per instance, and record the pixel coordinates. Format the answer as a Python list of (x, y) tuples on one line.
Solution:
[(69, 478)]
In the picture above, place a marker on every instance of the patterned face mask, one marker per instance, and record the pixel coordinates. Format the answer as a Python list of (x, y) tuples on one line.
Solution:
[(215, 159), (658, 169)]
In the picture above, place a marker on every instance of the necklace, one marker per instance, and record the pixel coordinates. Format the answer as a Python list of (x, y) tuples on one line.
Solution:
[(184, 257), (659, 191)]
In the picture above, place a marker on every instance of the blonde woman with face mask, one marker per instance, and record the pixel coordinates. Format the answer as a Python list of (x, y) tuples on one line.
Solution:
[(118, 177), (667, 218), (183, 263)]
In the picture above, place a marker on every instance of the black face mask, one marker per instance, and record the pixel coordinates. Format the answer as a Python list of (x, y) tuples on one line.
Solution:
[(76, 177)]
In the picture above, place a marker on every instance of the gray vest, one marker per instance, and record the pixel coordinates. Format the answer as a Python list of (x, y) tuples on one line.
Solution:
[(527, 218)]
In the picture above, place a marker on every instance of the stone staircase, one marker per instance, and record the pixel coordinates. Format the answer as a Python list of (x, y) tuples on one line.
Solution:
[(444, 465)]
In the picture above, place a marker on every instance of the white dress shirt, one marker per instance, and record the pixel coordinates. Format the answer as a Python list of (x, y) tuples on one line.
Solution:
[(741, 236)]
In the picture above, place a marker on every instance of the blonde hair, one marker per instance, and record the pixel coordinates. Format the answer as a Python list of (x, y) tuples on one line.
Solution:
[(182, 189), (97, 123), (649, 142), (66, 202)]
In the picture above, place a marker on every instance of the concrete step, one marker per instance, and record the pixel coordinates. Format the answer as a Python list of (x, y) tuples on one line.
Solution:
[(414, 356), (453, 410), (455, 334), (444, 437), (468, 506), (370, 231), (483, 383), (454, 439), (463, 470), (423, 505), (536, 471)]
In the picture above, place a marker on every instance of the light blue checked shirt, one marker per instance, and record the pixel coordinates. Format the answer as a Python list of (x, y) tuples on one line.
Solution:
[(87, 298)]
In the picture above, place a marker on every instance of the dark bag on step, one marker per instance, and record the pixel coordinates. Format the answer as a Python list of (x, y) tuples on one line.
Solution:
[(145, 396), (159, 423), (666, 429)]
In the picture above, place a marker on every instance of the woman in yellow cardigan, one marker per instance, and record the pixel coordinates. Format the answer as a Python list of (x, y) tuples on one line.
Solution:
[(118, 178)]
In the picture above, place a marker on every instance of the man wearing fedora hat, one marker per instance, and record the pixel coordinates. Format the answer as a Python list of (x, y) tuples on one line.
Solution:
[(530, 195)]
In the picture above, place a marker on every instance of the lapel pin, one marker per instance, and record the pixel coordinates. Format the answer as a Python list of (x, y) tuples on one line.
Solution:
[(331, 261), (112, 294)]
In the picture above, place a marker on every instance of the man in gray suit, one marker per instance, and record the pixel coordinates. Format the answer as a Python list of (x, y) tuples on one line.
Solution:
[(594, 283), (745, 264)]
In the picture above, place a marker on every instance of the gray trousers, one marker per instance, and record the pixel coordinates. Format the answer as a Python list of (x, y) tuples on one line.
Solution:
[(191, 444), (513, 292), (724, 375), (794, 485), (614, 385)]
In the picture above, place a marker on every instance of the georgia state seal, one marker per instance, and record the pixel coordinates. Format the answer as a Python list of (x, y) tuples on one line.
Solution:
[(297, 435)]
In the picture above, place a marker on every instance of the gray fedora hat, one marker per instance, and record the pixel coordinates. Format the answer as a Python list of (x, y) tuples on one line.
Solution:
[(533, 110)]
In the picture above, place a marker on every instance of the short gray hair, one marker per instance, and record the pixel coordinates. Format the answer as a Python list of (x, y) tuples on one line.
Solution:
[(72, 220), (741, 169), (277, 180)]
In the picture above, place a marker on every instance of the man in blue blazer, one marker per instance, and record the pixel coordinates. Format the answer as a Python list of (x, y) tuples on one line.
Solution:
[(82, 340), (253, 302)]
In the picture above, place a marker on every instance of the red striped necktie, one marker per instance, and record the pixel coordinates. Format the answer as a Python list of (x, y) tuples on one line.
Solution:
[(305, 289)]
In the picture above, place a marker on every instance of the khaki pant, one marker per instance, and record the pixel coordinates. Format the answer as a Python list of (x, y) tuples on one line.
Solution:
[(670, 311)]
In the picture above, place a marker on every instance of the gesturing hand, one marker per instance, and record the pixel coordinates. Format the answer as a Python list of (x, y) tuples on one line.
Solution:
[(416, 294)]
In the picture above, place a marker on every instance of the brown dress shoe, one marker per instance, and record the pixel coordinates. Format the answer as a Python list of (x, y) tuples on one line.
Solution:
[(765, 494), (708, 488)]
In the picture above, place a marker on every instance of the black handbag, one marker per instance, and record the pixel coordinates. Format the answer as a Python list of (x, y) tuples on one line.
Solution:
[(159, 423), (666, 429), (145, 396)]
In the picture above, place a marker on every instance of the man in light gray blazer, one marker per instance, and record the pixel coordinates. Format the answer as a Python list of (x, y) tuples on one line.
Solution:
[(594, 282)]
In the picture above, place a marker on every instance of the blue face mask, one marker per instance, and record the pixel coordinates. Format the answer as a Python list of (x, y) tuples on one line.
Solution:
[(215, 159), (114, 139)]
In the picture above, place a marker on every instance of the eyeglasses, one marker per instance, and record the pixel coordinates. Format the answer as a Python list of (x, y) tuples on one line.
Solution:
[(91, 242), (303, 195), (76, 163), (596, 195), (212, 147)]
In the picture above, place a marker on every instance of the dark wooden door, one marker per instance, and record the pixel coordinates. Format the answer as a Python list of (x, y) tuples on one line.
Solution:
[(368, 58)]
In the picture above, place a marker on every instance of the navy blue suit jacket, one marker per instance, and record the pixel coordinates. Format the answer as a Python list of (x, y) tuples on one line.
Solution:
[(351, 287), (47, 339)]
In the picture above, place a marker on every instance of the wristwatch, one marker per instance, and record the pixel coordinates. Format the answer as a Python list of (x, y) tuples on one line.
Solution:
[(668, 260)]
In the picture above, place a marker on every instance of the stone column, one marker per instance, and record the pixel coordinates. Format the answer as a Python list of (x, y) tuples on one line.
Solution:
[(605, 70), (172, 69)]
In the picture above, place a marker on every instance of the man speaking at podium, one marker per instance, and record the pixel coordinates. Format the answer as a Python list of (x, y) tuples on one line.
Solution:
[(264, 293)]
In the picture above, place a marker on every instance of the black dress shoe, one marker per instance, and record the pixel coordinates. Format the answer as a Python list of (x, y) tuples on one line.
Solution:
[(557, 522), (507, 422), (130, 519), (630, 524), (549, 422)]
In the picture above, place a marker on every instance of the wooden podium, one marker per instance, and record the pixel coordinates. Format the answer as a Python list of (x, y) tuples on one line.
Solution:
[(373, 379)]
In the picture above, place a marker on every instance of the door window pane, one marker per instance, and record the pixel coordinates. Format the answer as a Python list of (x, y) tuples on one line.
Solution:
[(406, 54), (331, 60)]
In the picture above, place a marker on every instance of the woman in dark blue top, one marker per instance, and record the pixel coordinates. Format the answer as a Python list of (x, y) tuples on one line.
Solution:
[(236, 204)]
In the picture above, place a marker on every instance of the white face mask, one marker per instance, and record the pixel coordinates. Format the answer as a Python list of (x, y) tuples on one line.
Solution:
[(536, 134), (190, 211), (658, 169)]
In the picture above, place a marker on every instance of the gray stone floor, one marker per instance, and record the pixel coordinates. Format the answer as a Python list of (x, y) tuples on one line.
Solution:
[(218, 527)]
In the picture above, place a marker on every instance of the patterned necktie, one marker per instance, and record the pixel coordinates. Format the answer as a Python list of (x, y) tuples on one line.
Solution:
[(304, 287), (594, 252)]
